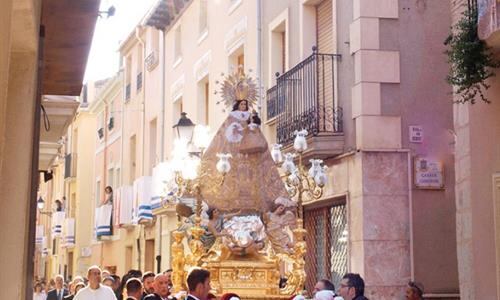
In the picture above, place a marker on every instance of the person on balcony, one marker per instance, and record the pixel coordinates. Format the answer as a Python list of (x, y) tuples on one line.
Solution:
[(108, 196)]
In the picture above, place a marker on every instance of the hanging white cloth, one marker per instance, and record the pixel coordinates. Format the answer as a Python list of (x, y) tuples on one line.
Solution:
[(103, 220), (142, 192), (57, 223), (125, 201), (40, 230), (69, 232)]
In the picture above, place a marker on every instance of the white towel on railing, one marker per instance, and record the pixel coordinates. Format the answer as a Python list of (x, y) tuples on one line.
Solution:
[(142, 193), (125, 204), (57, 223), (103, 220), (69, 232), (45, 249), (40, 230), (159, 184)]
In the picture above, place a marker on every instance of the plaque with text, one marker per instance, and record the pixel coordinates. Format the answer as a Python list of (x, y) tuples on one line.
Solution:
[(428, 174)]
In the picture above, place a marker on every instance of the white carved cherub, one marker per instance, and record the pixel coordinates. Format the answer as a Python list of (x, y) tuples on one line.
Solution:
[(276, 153), (223, 165), (288, 165), (315, 167), (300, 143)]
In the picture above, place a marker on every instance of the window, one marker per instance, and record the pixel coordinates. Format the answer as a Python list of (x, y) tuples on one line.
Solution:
[(110, 181), (100, 126), (128, 77), (327, 239), (98, 193), (140, 59), (178, 108), (111, 119), (203, 17), (178, 44), (237, 59), (152, 145), (132, 159), (118, 175), (203, 101)]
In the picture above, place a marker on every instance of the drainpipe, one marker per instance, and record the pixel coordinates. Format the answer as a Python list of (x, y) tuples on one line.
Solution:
[(162, 139), (143, 126), (143, 95), (259, 53)]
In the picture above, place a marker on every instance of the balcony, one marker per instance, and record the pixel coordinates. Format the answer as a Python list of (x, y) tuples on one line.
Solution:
[(139, 81), (127, 92), (152, 60), (303, 98), (70, 165)]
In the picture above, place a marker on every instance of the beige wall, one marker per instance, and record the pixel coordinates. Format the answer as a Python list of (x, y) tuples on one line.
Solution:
[(18, 68), (477, 128), (229, 33)]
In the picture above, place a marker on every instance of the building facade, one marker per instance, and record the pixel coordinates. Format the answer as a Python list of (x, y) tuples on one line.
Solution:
[(362, 93), (477, 127)]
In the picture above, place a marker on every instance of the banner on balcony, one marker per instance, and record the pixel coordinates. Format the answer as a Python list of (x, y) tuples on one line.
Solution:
[(57, 223), (142, 194), (45, 249), (69, 232), (103, 220), (40, 230), (159, 184), (125, 200)]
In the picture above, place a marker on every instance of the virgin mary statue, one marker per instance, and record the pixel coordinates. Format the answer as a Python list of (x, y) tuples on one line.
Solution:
[(253, 182)]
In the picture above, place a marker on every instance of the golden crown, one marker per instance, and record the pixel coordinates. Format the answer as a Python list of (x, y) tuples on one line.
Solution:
[(237, 86)]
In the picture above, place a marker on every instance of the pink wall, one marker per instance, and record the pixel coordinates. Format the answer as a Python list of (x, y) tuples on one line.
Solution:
[(424, 98)]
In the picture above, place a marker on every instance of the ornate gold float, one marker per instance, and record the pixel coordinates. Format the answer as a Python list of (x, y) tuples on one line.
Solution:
[(264, 240)]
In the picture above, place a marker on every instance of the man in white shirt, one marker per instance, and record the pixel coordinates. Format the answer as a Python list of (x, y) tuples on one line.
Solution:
[(95, 290)]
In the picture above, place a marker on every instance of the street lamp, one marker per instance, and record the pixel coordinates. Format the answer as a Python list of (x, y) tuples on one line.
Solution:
[(41, 204), (185, 128)]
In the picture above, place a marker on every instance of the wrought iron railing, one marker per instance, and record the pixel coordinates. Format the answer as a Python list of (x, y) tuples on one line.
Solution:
[(139, 81), (303, 98), (127, 92)]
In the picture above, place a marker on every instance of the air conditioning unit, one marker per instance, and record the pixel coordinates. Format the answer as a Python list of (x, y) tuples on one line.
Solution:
[(152, 60)]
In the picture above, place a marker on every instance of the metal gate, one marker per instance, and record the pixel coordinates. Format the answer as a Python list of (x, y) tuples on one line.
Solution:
[(326, 240)]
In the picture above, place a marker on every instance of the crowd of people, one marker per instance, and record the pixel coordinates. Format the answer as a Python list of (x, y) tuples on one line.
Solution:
[(102, 285)]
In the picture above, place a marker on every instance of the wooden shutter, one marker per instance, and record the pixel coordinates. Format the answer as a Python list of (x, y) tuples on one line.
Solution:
[(324, 26)]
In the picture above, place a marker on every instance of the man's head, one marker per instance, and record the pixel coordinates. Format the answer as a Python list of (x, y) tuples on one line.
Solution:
[(351, 286), (105, 273), (117, 283), (108, 281), (148, 279), (414, 291), (323, 284), (59, 282), (198, 282), (134, 288), (161, 285), (168, 273), (94, 276)]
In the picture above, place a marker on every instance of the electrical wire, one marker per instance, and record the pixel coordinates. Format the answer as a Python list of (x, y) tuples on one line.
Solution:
[(46, 121)]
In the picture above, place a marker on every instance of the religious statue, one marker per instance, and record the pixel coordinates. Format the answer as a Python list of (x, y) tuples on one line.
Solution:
[(242, 227)]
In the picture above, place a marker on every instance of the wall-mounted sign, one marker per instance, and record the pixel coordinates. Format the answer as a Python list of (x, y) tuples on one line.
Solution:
[(428, 173), (416, 134)]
